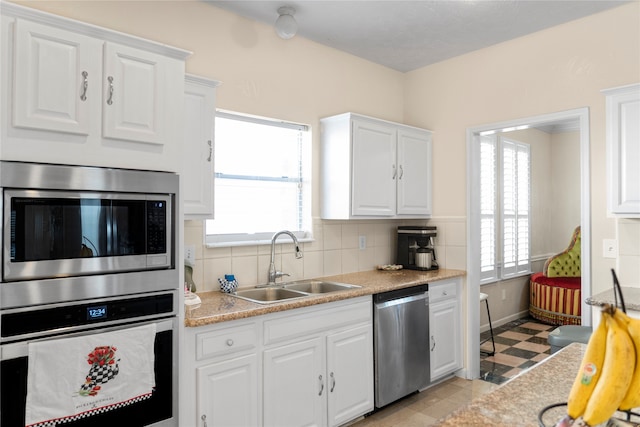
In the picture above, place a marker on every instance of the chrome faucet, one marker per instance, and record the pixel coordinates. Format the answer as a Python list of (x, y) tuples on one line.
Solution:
[(273, 273)]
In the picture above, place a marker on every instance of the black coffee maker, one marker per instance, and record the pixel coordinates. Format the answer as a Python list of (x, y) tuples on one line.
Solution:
[(416, 249)]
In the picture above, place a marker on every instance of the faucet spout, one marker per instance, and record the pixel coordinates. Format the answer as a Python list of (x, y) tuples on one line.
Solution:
[(273, 273)]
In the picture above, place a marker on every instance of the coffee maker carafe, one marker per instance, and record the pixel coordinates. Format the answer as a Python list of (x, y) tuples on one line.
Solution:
[(416, 249)]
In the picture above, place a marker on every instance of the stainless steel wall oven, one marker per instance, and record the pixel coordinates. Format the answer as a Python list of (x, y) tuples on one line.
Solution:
[(88, 250)]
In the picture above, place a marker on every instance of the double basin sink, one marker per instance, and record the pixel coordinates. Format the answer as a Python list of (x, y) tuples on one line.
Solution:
[(287, 291)]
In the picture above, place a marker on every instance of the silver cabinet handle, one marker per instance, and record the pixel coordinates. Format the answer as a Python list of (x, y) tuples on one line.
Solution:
[(321, 385), (394, 172), (401, 172), (333, 382), (204, 420), (229, 342), (85, 86), (444, 293), (210, 150), (433, 341), (110, 99)]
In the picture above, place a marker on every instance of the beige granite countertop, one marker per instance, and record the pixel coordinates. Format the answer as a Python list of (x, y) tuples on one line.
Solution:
[(220, 307), (518, 401), (631, 298)]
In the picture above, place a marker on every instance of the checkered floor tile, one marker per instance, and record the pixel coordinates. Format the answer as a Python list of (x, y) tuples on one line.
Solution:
[(519, 345)]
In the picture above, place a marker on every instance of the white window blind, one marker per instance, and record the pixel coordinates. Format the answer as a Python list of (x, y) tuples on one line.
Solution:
[(515, 208), (262, 180), (504, 208), (488, 208)]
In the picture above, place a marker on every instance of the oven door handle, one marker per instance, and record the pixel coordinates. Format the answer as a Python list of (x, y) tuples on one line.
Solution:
[(21, 348)]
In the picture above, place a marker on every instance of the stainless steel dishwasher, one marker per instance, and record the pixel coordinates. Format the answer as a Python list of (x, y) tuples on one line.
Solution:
[(401, 343)]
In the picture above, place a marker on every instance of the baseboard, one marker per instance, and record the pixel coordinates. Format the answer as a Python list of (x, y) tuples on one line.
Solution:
[(500, 322)]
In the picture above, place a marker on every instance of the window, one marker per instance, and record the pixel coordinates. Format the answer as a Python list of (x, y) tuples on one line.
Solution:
[(262, 182), (505, 189)]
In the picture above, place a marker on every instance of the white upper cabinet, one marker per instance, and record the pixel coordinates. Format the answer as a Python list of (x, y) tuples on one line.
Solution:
[(372, 168), (74, 93), (198, 152), (623, 150)]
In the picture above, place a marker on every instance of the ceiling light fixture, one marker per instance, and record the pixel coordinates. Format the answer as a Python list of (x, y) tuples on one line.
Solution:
[(286, 25)]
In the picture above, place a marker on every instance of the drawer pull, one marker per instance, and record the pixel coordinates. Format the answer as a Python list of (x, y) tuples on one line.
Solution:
[(229, 342)]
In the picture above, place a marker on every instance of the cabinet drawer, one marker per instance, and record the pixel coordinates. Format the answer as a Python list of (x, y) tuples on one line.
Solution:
[(441, 291), (318, 320), (226, 341)]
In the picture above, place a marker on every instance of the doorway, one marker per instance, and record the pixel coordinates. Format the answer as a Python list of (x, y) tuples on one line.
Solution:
[(581, 118)]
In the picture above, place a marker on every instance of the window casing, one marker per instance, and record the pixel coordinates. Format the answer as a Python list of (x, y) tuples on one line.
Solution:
[(262, 180), (505, 193)]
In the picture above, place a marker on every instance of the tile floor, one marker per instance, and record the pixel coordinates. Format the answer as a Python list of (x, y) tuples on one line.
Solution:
[(519, 345)]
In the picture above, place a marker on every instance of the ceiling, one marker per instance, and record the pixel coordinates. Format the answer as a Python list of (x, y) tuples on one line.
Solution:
[(406, 35)]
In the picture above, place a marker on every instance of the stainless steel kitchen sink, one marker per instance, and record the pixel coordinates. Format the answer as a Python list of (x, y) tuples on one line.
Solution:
[(318, 286), (268, 295), (291, 290)]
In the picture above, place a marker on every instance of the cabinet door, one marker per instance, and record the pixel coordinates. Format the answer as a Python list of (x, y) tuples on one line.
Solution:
[(414, 172), (623, 150), (445, 340), (56, 79), (350, 374), (295, 385), (197, 165), (133, 100), (228, 393), (373, 186)]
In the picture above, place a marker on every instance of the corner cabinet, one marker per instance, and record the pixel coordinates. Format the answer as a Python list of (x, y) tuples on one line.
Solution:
[(306, 366), (78, 94), (623, 150), (198, 151), (445, 328), (372, 168)]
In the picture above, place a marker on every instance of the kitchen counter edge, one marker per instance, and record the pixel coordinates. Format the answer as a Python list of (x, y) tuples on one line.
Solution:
[(219, 307)]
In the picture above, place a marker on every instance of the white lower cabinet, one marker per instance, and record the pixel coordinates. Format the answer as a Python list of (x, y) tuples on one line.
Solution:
[(228, 392), (310, 366), (445, 328), (294, 385)]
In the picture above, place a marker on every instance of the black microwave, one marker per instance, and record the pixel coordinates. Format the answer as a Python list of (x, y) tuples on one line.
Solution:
[(78, 221)]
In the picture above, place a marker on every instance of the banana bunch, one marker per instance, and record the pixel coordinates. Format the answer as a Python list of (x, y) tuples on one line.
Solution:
[(609, 376)]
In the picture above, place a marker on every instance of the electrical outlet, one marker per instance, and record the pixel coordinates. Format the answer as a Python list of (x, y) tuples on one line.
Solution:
[(504, 294), (609, 248), (363, 242), (190, 254)]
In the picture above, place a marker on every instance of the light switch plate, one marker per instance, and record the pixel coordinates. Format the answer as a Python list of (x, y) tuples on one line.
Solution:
[(362, 242), (609, 248)]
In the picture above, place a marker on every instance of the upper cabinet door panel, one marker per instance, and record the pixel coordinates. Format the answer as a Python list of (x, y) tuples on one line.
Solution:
[(374, 169), (56, 79), (414, 177), (133, 94), (623, 150)]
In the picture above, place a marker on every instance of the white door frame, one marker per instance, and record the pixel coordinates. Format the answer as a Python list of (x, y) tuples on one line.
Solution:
[(472, 356)]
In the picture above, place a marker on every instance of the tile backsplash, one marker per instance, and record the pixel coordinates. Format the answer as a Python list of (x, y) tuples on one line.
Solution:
[(628, 269), (335, 250)]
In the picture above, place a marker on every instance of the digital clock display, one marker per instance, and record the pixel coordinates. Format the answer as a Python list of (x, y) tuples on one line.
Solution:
[(98, 312)]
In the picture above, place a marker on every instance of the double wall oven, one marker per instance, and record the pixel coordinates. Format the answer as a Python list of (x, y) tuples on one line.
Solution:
[(87, 250)]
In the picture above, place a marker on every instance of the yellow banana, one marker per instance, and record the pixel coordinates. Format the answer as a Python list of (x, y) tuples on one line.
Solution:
[(589, 372), (617, 370), (632, 398)]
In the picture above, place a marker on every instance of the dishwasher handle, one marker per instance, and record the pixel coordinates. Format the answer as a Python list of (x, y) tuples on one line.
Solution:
[(404, 300), (402, 296)]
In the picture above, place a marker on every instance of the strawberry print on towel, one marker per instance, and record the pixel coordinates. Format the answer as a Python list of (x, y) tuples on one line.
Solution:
[(74, 378)]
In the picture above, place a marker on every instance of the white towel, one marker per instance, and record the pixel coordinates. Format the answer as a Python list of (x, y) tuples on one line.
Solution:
[(73, 378)]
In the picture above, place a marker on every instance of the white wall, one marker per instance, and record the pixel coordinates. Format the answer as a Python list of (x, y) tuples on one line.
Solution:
[(558, 69)]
